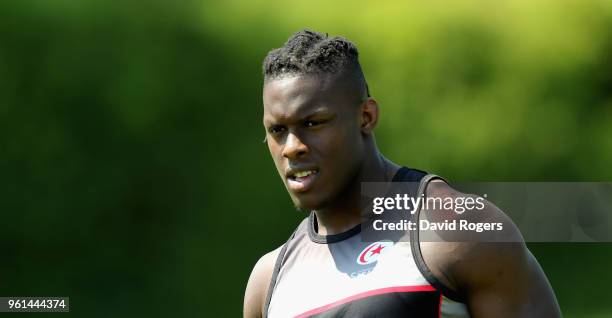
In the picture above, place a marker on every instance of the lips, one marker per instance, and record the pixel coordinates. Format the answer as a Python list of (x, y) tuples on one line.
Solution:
[(300, 180)]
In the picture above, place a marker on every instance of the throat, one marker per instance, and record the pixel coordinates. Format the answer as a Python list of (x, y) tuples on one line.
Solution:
[(331, 223)]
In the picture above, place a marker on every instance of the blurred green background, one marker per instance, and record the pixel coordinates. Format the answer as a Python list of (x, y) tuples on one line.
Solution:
[(133, 175)]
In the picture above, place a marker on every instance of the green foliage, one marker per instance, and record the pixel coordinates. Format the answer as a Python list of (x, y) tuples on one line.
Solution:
[(134, 177)]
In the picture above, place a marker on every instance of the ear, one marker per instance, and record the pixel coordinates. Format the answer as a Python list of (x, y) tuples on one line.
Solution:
[(369, 115)]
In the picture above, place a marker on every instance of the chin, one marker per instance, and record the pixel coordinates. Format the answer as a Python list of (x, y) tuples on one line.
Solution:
[(311, 200), (307, 204), (304, 206)]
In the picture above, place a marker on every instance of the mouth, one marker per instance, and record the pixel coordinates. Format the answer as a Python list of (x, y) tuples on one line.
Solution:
[(301, 180)]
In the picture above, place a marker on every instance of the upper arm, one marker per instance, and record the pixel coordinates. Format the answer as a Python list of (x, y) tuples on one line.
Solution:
[(498, 279), (504, 280), (257, 286)]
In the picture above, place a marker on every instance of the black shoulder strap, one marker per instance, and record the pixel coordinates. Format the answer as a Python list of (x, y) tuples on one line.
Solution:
[(405, 174), (416, 248), (277, 267)]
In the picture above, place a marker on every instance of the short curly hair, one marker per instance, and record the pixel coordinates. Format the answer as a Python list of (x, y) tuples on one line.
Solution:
[(310, 52)]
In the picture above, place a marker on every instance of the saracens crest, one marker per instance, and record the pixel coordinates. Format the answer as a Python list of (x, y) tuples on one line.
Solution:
[(372, 252)]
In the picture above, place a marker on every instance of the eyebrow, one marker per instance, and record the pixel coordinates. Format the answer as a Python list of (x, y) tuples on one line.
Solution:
[(322, 110), (319, 111)]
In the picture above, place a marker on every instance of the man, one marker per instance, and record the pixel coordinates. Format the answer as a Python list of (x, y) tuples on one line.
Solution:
[(319, 120)]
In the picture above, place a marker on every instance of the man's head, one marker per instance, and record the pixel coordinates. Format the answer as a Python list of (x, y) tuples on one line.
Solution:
[(318, 117)]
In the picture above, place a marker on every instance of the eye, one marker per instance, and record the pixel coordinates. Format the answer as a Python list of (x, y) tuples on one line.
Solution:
[(276, 129), (311, 123)]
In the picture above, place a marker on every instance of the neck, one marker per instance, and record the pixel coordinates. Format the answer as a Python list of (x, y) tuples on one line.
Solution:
[(345, 213)]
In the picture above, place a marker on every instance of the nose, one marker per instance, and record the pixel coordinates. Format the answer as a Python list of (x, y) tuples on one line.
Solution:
[(294, 147)]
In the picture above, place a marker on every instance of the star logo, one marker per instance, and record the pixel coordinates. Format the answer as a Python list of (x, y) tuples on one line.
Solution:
[(372, 252), (377, 250)]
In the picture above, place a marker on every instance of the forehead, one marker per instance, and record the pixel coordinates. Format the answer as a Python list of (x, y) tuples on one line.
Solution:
[(297, 95), (290, 93)]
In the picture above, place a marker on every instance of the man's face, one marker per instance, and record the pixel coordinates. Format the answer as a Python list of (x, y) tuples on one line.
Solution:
[(313, 132)]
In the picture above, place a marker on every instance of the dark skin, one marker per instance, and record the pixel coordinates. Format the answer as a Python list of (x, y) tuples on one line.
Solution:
[(307, 120), (324, 124)]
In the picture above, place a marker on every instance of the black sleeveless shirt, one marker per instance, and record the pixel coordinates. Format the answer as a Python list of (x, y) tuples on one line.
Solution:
[(341, 275)]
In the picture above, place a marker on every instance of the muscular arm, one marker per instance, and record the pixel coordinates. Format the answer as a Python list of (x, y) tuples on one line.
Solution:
[(498, 279), (257, 287), (505, 280)]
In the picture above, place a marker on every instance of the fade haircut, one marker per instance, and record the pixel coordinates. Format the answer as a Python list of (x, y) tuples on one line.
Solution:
[(308, 52)]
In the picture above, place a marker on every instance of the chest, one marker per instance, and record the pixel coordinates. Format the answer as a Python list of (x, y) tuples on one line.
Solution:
[(363, 281)]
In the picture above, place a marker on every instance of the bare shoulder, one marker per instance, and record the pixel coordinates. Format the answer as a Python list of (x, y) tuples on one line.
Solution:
[(460, 253), (496, 274), (258, 284)]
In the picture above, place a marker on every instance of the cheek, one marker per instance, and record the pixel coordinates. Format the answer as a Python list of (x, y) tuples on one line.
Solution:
[(275, 152), (352, 138), (345, 145)]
